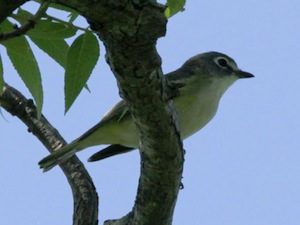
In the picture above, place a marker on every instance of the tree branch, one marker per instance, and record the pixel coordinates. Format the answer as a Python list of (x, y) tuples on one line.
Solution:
[(84, 193), (27, 25)]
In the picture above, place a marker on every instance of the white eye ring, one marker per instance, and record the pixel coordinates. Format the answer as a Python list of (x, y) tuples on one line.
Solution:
[(226, 63), (222, 62)]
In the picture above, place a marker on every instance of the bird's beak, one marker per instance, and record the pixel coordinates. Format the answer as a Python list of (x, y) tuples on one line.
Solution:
[(243, 74)]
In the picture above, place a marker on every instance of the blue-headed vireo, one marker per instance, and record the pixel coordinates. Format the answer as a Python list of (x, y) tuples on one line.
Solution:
[(202, 80)]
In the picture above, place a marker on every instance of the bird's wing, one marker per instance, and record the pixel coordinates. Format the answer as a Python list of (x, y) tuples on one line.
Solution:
[(117, 113)]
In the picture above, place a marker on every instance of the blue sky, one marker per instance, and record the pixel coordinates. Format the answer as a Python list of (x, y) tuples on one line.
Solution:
[(242, 168)]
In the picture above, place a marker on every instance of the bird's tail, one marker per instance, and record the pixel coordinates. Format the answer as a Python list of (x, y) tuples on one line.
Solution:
[(60, 155)]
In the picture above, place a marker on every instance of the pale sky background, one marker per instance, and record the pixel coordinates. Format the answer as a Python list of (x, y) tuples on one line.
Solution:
[(242, 168)]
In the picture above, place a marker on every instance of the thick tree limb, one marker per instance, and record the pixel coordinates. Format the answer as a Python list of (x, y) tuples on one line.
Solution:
[(84, 193)]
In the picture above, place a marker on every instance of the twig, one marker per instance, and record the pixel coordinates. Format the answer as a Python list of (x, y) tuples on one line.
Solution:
[(66, 23), (27, 25)]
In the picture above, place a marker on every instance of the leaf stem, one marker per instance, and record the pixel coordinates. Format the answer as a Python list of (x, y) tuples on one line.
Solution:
[(66, 23)]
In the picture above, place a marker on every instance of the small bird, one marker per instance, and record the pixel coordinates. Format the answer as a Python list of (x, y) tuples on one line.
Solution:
[(202, 80)]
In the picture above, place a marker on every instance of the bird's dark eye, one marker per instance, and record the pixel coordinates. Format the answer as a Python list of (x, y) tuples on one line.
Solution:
[(222, 62)]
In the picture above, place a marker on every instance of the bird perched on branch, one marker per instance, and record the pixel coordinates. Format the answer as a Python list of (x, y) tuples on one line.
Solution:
[(202, 80)]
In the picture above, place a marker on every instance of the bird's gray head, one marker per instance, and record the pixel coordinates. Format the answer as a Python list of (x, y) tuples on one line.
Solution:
[(213, 65), (210, 67), (211, 72)]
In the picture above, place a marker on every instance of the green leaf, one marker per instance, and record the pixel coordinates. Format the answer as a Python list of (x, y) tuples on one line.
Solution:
[(26, 65), (47, 29), (56, 49), (168, 12), (173, 7), (1, 76), (81, 60)]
